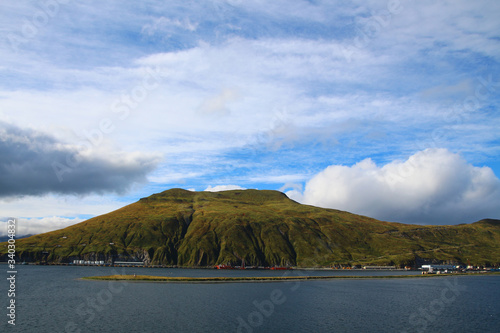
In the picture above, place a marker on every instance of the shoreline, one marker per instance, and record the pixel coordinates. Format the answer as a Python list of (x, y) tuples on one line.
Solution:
[(258, 279)]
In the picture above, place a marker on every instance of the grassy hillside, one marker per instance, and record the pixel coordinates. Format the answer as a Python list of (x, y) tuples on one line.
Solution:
[(265, 228)]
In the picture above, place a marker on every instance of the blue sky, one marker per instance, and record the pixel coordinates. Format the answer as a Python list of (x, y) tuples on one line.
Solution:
[(382, 108)]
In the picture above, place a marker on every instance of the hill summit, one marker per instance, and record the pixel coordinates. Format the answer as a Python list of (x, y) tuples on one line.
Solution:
[(259, 228)]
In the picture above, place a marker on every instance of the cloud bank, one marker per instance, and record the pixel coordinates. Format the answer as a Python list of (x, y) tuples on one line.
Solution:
[(433, 186), (35, 163)]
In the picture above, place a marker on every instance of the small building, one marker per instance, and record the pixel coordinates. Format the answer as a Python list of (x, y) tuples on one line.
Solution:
[(433, 267)]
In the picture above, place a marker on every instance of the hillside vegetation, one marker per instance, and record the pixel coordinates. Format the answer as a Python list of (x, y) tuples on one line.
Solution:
[(263, 228)]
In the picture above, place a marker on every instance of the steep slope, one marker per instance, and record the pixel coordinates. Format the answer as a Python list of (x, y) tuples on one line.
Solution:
[(265, 228)]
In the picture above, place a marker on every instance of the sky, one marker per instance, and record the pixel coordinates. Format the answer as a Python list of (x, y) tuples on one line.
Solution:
[(381, 108)]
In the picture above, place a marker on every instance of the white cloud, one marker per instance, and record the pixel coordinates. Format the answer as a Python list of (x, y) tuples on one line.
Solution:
[(274, 177), (229, 67), (165, 25), (433, 186), (53, 205), (219, 188), (219, 104), (293, 186), (33, 226), (276, 71)]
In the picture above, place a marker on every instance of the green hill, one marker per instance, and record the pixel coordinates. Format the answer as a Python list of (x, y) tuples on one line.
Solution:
[(265, 228)]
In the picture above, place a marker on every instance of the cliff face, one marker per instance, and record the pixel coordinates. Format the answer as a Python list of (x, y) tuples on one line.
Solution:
[(263, 228)]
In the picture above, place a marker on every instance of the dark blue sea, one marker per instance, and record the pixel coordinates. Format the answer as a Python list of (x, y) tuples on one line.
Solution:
[(53, 299)]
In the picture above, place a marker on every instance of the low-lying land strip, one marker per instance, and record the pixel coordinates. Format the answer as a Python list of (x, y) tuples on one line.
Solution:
[(149, 278)]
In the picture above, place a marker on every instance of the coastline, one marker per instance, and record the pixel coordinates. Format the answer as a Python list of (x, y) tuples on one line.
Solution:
[(166, 279)]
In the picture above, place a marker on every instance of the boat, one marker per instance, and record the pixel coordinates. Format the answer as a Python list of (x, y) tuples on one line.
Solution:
[(224, 267)]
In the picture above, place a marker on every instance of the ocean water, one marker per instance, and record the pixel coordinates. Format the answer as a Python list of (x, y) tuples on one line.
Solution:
[(53, 299)]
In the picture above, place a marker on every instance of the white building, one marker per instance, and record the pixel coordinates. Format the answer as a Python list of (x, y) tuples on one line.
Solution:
[(433, 267)]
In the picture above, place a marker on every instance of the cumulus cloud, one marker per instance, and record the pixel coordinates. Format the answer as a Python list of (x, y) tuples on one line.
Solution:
[(34, 226), (219, 188), (434, 186), (35, 163)]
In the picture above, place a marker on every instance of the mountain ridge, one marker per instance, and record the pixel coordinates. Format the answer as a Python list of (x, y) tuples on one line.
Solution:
[(260, 227)]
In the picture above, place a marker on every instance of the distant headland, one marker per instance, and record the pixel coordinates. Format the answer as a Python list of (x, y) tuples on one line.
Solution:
[(256, 228)]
